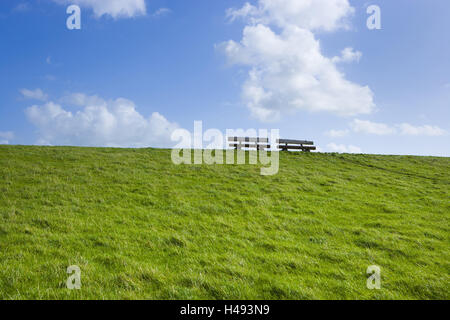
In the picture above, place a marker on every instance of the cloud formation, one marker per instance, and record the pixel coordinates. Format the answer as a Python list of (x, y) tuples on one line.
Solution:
[(365, 126), (36, 94), (337, 133), (341, 148), (382, 129), (287, 69), (327, 15), (101, 123), (426, 130), (348, 55), (113, 8)]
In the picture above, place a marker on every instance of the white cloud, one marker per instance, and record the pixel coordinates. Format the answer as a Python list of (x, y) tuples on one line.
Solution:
[(348, 55), (337, 133), (114, 123), (426, 130), (42, 142), (245, 12), (341, 148), (113, 8), (80, 99), (325, 15), (365, 126), (36, 94), (287, 69)]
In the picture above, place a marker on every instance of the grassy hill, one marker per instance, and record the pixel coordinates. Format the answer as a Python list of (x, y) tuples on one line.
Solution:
[(140, 227)]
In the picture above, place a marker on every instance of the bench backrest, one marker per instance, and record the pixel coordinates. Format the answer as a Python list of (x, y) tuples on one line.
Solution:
[(247, 139), (263, 144), (289, 141), (247, 142), (288, 144)]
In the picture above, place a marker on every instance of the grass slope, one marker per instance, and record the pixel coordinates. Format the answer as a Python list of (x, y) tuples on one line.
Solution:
[(140, 227)]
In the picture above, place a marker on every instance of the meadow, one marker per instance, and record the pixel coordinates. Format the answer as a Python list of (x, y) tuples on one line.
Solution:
[(140, 227)]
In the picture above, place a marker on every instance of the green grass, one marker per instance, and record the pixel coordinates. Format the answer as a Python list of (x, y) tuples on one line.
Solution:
[(140, 227)]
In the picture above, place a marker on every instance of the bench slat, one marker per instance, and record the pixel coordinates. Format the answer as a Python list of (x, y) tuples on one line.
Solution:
[(288, 141), (253, 145), (284, 147), (262, 144), (247, 139)]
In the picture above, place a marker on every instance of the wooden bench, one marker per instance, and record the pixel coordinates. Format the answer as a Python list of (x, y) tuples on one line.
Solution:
[(250, 143), (303, 145)]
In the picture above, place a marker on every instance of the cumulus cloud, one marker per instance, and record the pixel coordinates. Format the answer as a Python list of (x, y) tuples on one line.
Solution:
[(113, 8), (113, 123), (81, 99), (288, 71), (5, 137), (348, 55), (327, 15), (341, 148), (36, 94), (426, 130), (381, 129), (365, 126), (337, 133), (246, 11)]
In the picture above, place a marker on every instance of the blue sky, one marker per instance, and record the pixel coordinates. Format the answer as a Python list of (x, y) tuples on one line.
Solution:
[(130, 77)]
